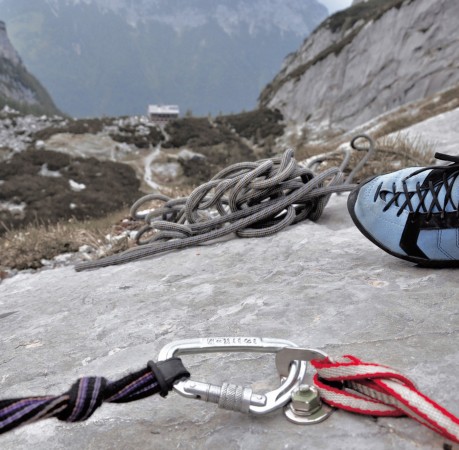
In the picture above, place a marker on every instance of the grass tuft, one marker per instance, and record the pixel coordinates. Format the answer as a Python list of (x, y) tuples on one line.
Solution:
[(393, 153), (28, 247)]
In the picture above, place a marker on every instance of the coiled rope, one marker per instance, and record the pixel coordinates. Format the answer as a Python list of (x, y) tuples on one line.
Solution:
[(250, 199)]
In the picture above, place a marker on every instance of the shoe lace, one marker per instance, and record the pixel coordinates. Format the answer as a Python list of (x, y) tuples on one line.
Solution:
[(445, 176)]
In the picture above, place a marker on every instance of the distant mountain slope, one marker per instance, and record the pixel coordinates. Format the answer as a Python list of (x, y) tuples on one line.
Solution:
[(369, 59), (19, 89), (114, 57)]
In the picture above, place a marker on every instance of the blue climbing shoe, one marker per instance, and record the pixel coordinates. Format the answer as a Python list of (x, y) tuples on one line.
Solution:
[(412, 213)]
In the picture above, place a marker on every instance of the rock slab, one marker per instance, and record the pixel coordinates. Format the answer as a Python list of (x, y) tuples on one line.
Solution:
[(340, 80), (440, 132), (321, 285)]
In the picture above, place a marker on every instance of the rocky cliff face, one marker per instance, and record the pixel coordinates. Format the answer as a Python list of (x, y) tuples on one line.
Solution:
[(18, 88), (368, 59), (7, 51)]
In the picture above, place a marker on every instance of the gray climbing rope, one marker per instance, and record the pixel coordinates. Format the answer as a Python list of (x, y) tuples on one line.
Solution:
[(251, 199)]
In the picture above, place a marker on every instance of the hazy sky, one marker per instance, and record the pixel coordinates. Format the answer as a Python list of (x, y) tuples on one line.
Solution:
[(335, 5)]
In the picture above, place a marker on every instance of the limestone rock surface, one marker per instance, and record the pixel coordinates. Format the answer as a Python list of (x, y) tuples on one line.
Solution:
[(321, 285), (440, 132), (345, 76)]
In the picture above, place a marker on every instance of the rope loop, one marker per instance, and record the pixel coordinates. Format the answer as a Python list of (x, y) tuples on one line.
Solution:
[(134, 211), (373, 389)]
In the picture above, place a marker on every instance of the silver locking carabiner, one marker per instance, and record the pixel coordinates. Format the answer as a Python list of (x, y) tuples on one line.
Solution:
[(292, 372)]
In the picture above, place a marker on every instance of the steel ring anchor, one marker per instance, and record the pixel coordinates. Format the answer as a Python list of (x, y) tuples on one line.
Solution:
[(230, 396), (305, 407)]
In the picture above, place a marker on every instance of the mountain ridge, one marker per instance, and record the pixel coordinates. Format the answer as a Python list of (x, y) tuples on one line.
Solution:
[(95, 62), (19, 89), (287, 15)]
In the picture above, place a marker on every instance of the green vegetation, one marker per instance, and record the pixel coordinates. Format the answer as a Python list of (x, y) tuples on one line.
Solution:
[(225, 140), (195, 132), (368, 11), (256, 125), (74, 126), (125, 133), (28, 247), (106, 186), (129, 135)]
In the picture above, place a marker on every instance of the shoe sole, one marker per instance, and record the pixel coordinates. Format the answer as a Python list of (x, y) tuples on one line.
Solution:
[(351, 200)]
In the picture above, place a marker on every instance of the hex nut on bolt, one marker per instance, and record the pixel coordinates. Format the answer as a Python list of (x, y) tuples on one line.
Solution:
[(306, 400), (306, 407)]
